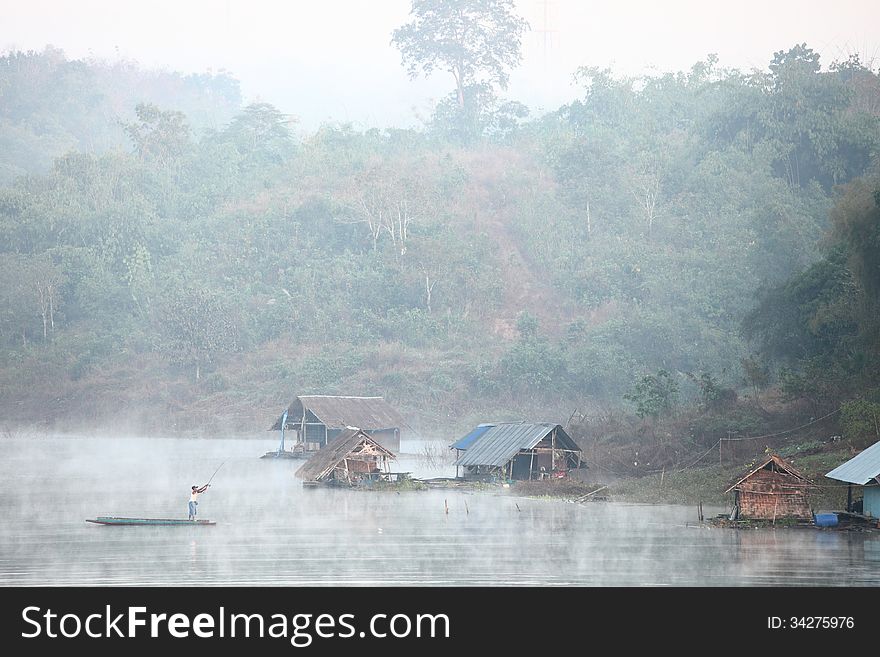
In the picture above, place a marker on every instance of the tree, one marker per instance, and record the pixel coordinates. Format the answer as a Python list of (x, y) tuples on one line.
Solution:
[(47, 280), (856, 220), (387, 202), (159, 136), (31, 288), (261, 135), (653, 395), (477, 41), (17, 299), (860, 419), (198, 325), (756, 374)]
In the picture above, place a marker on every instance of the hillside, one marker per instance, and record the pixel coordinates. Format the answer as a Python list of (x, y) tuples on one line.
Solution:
[(643, 252)]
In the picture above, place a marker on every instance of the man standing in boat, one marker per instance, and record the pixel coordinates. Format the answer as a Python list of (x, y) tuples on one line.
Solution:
[(194, 500)]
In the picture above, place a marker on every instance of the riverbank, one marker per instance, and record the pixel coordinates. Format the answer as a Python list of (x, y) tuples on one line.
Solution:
[(698, 484)]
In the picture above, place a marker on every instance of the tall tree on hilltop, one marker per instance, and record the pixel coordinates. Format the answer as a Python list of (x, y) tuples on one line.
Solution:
[(477, 41)]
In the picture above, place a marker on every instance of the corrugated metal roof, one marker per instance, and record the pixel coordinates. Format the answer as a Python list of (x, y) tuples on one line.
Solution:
[(468, 440), (861, 468), (503, 441), (368, 413), (324, 460)]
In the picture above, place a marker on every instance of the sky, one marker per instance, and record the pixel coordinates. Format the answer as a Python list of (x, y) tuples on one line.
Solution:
[(331, 60)]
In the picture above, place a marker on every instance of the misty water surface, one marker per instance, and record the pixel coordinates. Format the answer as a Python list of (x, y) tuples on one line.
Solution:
[(272, 532)]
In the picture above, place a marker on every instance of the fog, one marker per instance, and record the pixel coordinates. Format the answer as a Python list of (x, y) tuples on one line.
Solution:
[(332, 61), (270, 531), (593, 221)]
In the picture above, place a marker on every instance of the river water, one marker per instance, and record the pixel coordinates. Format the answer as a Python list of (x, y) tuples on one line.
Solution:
[(270, 531)]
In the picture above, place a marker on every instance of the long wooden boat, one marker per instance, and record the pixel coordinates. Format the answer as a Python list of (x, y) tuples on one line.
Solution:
[(112, 520)]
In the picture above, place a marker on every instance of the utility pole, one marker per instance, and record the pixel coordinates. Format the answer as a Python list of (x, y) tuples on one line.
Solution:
[(546, 31)]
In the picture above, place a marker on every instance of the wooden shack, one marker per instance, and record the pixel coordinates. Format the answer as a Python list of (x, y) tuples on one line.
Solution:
[(351, 458), (517, 450), (771, 491), (318, 419)]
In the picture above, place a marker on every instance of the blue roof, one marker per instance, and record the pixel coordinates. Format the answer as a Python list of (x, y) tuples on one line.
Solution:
[(861, 468), (468, 440)]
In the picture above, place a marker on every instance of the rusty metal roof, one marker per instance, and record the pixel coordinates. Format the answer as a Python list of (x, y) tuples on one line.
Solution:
[(502, 442), (368, 413), (328, 457), (860, 469)]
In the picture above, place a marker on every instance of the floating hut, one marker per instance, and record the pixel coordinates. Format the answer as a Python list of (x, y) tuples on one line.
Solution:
[(318, 419), (467, 440), (862, 471), (517, 450), (353, 457), (771, 491)]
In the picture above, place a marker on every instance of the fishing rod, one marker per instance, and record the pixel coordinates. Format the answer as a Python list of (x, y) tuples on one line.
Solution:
[(215, 472)]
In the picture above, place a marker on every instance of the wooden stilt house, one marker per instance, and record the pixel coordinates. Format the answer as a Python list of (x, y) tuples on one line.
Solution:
[(517, 450), (317, 419), (351, 458)]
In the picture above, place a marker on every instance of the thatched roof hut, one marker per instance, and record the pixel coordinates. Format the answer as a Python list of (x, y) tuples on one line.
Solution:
[(350, 458), (770, 491), (318, 419)]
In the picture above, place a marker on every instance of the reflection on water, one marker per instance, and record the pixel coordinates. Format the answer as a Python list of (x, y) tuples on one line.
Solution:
[(272, 532)]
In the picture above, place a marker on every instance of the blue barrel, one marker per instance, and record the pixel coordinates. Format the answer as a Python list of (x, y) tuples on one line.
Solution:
[(826, 520)]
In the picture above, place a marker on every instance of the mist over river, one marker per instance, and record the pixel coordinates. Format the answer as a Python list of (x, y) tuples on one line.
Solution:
[(270, 531)]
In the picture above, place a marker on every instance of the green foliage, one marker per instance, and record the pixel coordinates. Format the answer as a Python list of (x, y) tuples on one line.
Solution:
[(860, 419), (527, 325), (477, 41), (533, 365), (198, 326), (856, 220), (653, 395), (707, 428), (713, 396), (53, 105), (638, 223)]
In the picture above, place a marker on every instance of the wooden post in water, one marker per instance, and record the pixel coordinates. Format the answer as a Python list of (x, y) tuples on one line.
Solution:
[(446, 506)]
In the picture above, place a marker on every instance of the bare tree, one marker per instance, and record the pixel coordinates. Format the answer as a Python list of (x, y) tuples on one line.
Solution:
[(645, 183), (388, 204)]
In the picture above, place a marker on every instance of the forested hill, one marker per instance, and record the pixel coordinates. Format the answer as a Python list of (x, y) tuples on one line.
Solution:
[(184, 263), (50, 105)]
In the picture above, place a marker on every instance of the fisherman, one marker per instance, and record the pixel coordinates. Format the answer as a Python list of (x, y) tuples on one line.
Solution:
[(194, 500)]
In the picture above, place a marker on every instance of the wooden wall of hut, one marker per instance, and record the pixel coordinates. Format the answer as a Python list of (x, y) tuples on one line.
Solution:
[(769, 495)]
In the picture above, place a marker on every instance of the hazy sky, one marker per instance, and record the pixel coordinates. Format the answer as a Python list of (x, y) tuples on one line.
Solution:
[(331, 59)]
